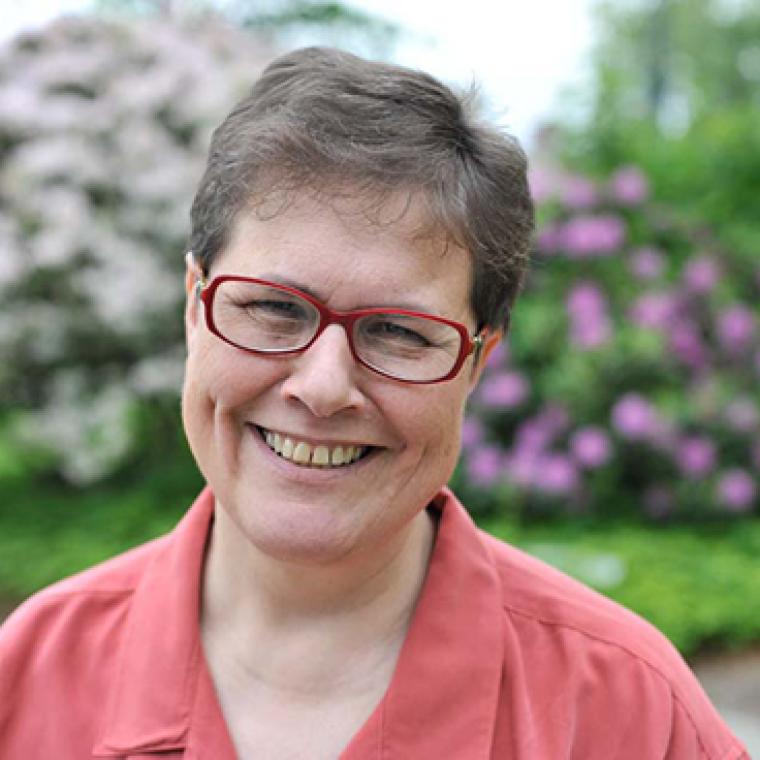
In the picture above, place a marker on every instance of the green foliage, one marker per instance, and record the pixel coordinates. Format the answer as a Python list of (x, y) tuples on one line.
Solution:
[(678, 94), (52, 529)]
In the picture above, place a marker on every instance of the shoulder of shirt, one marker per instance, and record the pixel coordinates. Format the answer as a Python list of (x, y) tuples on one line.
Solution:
[(540, 595), (101, 586), (536, 591)]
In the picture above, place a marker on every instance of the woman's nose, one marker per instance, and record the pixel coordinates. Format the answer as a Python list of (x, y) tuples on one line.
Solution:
[(323, 377)]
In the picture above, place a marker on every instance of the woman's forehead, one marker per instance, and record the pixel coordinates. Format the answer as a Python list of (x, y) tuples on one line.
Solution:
[(338, 248)]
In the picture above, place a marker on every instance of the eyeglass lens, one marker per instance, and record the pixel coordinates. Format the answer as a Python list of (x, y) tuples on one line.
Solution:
[(264, 318)]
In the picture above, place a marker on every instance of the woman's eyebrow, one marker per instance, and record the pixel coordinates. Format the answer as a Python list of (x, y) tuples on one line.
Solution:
[(405, 305), (280, 280)]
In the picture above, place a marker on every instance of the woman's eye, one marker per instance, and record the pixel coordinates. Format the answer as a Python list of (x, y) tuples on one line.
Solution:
[(273, 308), (400, 333)]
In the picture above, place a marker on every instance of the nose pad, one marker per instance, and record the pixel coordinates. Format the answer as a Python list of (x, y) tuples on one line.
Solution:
[(322, 378)]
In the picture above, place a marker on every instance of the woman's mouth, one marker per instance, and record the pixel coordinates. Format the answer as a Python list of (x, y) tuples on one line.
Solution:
[(308, 454)]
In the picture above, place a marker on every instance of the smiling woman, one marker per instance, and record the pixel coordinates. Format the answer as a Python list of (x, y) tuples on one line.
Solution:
[(358, 242)]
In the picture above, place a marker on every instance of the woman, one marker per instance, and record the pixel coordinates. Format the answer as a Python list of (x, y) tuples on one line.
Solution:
[(358, 242)]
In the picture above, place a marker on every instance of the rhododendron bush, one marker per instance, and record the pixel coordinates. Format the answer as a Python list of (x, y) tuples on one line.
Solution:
[(103, 134), (630, 380)]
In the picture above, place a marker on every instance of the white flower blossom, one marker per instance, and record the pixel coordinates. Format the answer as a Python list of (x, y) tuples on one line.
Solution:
[(108, 124)]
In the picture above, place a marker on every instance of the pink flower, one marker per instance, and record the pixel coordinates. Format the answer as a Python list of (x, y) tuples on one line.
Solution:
[(742, 415), (504, 390), (473, 432), (736, 490), (591, 333), (578, 192), (654, 310), (585, 237), (549, 238), (539, 432), (591, 447), (585, 298), (590, 325), (696, 456), (701, 275), (634, 417), (646, 263), (485, 465), (556, 475), (543, 183), (629, 186), (736, 328), (522, 465), (686, 343)]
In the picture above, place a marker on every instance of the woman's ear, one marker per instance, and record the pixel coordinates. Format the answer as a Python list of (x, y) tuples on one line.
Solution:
[(492, 339)]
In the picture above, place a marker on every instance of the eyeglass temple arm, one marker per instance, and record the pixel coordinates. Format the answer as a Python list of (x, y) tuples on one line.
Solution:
[(480, 339), (478, 342)]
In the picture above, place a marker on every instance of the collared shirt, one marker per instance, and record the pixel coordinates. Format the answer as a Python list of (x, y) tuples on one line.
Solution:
[(505, 659)]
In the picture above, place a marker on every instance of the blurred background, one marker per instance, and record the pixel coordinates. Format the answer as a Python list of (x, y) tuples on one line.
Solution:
[(616, 434)]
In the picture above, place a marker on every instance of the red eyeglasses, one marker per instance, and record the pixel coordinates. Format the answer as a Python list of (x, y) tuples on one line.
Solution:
[(265, 317)]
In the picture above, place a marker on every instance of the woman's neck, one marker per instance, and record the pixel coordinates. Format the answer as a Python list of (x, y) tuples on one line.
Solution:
[(357, 609)]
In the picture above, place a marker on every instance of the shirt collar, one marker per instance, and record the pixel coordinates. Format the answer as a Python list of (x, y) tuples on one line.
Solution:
[(152, 698), (444, 692)]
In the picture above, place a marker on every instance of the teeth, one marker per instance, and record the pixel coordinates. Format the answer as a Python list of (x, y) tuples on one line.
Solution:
[(304, 453), (321, 455)]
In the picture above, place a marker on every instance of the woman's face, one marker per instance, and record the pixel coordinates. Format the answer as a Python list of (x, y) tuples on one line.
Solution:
[(322, 397)]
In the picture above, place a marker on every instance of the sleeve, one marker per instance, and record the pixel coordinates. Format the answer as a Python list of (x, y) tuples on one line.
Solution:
[(686, 742)]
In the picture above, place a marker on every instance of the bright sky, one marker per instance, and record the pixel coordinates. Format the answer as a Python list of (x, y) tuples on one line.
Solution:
[(522, 54)]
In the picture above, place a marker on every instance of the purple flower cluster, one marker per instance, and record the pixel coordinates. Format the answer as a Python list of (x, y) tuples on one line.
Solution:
[(736, 490), (504, 389), (655, 309), (701, 275), (590, 236), (646, 263), (591, 447), (677, 418), (587, 311), (634, 418), (629, 186), (696, 456), (736, 329)]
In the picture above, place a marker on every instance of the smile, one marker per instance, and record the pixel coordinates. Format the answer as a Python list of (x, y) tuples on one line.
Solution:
[(310, 454)]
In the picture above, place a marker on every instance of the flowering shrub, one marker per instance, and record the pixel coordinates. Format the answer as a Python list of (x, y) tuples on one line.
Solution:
[(630, 380), (103, 134)]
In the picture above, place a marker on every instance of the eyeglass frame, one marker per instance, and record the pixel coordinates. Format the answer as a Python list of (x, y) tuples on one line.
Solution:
[(468, 344)]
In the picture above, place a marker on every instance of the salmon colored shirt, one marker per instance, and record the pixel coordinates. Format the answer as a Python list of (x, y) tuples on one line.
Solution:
[(505, 659)]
